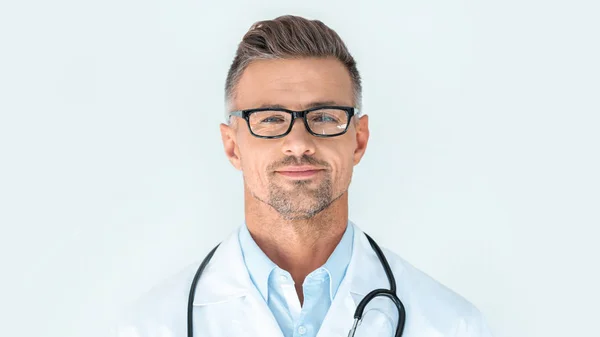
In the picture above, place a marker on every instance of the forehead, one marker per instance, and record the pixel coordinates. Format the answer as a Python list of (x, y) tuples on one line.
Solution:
[(293, 83)]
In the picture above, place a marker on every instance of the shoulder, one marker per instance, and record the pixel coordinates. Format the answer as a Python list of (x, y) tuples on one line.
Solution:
[(162, 311), (424, 286), (162, 308), (432, 304), (170, 291)]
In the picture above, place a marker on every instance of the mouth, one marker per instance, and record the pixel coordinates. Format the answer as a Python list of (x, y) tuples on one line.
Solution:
[(299, 172)]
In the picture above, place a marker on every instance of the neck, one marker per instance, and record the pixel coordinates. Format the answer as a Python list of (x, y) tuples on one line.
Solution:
[(297, 246)]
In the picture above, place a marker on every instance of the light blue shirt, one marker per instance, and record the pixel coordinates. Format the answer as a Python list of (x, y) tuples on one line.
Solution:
[(277, 286)]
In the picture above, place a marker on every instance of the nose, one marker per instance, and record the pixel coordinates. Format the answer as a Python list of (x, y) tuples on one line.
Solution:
[(299, 141)]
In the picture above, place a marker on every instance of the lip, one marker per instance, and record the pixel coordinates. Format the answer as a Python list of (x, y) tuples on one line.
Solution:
[(299, 171)]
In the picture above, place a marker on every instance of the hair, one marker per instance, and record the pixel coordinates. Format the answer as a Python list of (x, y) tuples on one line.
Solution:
[(288, 37)]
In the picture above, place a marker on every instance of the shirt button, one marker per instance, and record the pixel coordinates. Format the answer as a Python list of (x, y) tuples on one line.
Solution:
[(302, 329), (283, 278)]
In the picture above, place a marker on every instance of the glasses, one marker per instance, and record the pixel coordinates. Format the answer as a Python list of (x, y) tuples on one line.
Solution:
[(323, 121)]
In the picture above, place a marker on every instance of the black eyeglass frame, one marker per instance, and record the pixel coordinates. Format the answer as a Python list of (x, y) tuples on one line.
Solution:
[(245, 114)]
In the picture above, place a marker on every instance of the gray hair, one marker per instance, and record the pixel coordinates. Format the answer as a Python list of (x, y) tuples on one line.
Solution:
[(289, 37)]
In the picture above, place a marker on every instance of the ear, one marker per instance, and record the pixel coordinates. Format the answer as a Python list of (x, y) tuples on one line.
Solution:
[(362, 138), (228, 136)]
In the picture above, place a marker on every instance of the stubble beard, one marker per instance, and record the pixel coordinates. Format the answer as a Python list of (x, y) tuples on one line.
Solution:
[(301, 202)]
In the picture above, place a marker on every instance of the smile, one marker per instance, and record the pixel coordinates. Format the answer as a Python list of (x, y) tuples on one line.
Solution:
[(299, 172)]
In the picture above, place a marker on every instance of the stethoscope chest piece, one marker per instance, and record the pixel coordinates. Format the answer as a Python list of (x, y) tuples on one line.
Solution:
[(358, 314)]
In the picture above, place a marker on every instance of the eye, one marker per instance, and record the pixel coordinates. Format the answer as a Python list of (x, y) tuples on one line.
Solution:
[(272, 119), (324, 118)]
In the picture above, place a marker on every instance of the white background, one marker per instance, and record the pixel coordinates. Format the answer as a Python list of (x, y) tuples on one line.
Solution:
[(482, 169)]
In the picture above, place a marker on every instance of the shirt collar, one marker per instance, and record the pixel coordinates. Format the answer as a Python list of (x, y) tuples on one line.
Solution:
[(260, 266), (338, 261), (257, 262)]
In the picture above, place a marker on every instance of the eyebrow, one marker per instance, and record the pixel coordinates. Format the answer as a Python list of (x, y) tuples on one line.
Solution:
[(306, 106)]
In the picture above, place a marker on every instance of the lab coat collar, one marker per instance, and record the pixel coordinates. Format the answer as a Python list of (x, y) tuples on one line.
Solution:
[(365, 272), (226, 277), (363, 275)]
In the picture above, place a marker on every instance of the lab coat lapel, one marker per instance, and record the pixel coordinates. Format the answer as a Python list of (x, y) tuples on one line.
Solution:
[(227, 303), (363, 275)]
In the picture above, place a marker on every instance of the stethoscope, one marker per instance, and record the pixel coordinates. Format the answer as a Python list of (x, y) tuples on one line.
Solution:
[(391, 293)]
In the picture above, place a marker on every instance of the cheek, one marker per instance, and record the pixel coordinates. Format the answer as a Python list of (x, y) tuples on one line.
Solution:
[(345, 173), (248, 151), (343, 164), (254, 162), (250, 162)]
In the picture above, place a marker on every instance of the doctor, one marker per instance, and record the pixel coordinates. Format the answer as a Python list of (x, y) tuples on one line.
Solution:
[(297, 267)]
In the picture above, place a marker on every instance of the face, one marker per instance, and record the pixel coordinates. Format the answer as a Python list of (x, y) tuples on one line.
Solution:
[(298, 175)]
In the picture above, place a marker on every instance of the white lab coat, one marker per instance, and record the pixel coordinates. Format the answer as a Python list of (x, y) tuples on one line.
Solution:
[(228, 304)]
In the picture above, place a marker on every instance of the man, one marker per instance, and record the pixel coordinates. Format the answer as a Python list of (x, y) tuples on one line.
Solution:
[(297, 267)]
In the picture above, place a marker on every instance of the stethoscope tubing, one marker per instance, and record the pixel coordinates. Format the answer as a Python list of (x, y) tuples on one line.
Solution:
[(389, 293), (190, 309)]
